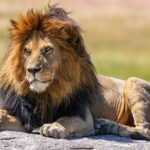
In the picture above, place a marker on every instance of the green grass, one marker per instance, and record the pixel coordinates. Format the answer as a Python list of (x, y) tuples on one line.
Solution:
[(122, 65)]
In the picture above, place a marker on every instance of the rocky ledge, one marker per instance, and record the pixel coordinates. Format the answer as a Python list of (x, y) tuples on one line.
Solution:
[(24, 141)]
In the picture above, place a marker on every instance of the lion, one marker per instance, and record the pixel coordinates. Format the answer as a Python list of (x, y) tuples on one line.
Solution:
[(48, 82)]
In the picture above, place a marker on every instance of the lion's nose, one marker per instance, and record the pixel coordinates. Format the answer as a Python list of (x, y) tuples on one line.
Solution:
[(34, 70)]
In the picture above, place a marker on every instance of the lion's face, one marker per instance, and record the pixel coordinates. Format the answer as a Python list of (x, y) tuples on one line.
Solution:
[(42, 59)]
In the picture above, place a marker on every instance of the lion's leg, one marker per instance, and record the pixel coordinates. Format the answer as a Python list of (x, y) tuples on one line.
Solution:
[(137, 93), (69, 126), (104, 126), (9, 122)]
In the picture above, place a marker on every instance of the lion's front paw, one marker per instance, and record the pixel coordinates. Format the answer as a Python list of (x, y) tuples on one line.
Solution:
[(55, 130), (102, 126)]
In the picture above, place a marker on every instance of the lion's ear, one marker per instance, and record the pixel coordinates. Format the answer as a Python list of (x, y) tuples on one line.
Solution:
[(74, 37)]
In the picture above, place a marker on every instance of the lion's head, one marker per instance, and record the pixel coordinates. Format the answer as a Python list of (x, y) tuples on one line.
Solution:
[(47, 54)]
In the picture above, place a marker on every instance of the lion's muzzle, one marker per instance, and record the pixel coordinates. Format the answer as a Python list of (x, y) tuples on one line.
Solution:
[(37, 84)]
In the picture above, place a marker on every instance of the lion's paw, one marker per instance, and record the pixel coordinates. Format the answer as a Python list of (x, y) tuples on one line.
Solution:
[(55, 130), (102, 126)]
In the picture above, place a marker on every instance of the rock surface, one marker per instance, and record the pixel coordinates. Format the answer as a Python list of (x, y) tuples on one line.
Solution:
[(10, 140)]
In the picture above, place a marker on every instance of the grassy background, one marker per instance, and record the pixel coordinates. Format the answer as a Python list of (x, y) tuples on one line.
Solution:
[(116, 32)]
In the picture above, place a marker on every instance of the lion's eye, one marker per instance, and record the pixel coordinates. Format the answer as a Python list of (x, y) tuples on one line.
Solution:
[(47, 51), (27, 52)]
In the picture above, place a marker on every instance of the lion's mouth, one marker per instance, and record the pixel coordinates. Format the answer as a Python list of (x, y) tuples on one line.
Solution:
[(39, 86), (37, 80)]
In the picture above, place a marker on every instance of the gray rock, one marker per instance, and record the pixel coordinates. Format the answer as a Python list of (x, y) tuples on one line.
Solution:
[(10, 140)]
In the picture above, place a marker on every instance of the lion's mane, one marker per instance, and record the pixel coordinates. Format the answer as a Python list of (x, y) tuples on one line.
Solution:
[(60, 99)]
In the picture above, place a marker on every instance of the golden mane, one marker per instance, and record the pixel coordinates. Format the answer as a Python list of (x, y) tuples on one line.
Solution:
[(56, 24), (34, 109)]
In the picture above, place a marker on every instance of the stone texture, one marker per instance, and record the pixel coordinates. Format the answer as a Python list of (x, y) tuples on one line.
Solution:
[(10, 140)]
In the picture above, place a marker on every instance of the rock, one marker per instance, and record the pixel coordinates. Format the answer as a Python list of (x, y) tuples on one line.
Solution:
[(10, 140)]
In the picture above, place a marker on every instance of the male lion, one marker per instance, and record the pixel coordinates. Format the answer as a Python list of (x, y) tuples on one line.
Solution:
[(48, 81)]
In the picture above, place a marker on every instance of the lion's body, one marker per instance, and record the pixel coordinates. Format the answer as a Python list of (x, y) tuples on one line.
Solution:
[(48, 81), (111, 98)]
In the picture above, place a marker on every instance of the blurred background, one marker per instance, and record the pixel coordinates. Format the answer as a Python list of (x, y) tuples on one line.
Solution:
[(116, 32)]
